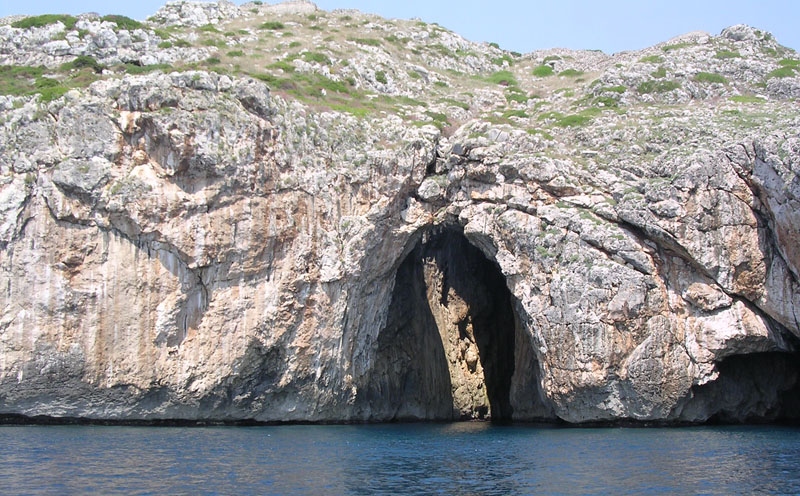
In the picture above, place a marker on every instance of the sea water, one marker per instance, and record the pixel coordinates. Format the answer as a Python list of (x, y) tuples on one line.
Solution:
[(397, 459)]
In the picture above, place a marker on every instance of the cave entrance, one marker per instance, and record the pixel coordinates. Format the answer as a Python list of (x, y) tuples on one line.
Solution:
[(447, 351)]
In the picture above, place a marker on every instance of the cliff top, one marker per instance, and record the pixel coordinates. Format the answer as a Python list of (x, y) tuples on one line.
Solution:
[(376, 68)]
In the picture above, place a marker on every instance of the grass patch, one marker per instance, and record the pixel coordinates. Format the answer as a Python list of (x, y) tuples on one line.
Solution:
[(503, 78), (208, 28), (500, 60), (613, 89), (517, 97), (273, 25), (709, 77), (123, 22), (659, 73), (319, 58), (165, 44), (81, 62), (747, 99), (45, 20), (212, 61), (455, 103), (571, 73), (543, 134), (515, 113), (678, 46), (380, 76), (652, 59), (789, 63), (145, 69), (543, 71), (366, 41), (551, 58), (727, 54), (657, 87), (782, 72)]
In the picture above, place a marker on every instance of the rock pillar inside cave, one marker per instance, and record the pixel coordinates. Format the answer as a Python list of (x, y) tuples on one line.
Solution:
[(448, 350)]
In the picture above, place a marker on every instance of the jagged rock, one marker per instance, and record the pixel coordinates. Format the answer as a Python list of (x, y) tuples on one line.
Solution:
[(198, 244)]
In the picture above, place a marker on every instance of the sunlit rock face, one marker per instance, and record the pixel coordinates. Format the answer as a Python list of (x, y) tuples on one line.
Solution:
[(190, 245)]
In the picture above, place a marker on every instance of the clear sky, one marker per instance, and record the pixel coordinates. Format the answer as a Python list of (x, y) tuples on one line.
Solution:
[(608, 25)]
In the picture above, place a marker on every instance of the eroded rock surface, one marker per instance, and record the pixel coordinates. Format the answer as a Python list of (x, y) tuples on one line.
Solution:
[(193, 245)]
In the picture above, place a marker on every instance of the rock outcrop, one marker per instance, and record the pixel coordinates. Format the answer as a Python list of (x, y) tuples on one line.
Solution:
[(462, 235)]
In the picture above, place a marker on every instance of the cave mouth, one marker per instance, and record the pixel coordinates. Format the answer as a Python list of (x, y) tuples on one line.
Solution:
[(751, 388), (447, 351)]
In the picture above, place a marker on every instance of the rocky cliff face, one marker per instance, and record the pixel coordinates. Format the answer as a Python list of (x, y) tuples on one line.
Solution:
[(335, 217)]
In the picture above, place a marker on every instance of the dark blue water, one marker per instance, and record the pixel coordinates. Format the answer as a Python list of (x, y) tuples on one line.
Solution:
[(463, 459)]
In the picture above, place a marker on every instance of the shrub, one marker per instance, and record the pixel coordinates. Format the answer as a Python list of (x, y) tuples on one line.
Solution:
[(123, 22), (571, 73), (517, 97), (613, 89), (165, 44), (208, 28), (273, 25), (505, 78), (543, 71), (789, 63), (181, 43), (495, 45), (551, 58), (211, 61), (235, 53), (380, 76), (657, 87), (45, 20), (708, 77), (83, 61)]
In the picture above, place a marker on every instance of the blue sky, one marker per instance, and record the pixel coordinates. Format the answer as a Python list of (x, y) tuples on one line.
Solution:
[(608, 25)]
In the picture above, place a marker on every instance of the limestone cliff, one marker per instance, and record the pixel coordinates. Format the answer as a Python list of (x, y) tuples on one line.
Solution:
[(284, 214)]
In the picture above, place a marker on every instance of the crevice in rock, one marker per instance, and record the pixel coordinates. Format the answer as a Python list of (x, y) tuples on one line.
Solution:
[(751, 388), (452, 339)]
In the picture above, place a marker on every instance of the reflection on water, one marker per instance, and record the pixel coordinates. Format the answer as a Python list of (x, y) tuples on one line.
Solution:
[(459, 459)]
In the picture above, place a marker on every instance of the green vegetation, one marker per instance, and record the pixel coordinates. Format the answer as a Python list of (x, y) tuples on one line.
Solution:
[(83, 61), (455, 103), (505, 58), (208, 28), (652, 59), (503, 78), (659, 73), (789, 63), (144, 69), (212, 61), (747, 99), (551, 58), (495, 45), (273, 25), (782, 73), (45, 20), (657, 87), (727, 54), (414, 75), (515, 113), (165, 44), (517, 97), (613, 89), (541, 133), (235, 53), (571, 73), (319, 58), (380, 76), (708, 77), (123, 22), (678, 46), (366, 41), (543, 71)]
